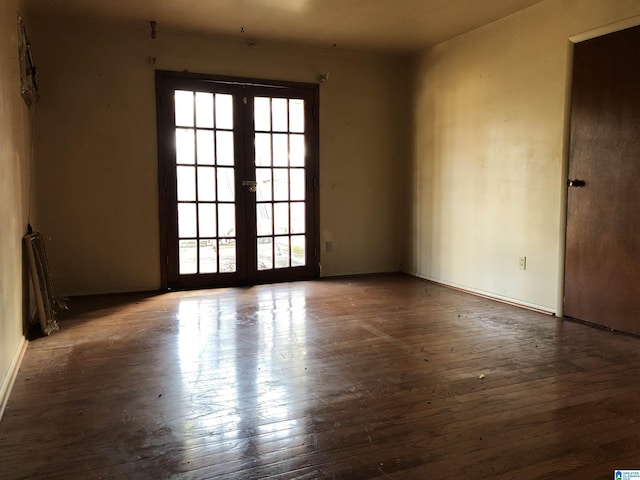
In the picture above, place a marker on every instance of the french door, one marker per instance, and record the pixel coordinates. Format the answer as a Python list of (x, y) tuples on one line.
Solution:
[(238, 178)]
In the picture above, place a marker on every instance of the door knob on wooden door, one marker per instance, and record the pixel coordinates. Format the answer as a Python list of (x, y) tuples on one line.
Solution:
[(576, 183)]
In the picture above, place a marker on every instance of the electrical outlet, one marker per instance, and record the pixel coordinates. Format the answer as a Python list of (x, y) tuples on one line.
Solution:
[(523, 263), (328, 246)]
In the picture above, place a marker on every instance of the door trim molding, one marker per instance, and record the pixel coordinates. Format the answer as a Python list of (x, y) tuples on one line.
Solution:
[(606, 29)]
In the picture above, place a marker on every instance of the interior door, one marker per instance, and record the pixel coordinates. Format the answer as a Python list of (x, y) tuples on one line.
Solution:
[(238, 178), (602, 269)]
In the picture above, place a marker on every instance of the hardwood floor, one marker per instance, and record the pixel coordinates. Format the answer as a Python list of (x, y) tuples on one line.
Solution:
[(368, 377)]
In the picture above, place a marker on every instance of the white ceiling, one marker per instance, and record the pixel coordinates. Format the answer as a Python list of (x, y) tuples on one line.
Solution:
[(389, 26)]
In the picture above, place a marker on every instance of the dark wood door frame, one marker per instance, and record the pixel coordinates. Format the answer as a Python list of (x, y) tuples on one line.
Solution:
[(167, 81)]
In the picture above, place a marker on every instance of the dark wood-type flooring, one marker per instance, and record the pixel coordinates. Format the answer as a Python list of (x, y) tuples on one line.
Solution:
[(359, 378)]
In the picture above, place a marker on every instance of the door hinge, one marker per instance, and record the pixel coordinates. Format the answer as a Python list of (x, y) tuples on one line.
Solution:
[(245, 100), (166, 260), (315, 182)]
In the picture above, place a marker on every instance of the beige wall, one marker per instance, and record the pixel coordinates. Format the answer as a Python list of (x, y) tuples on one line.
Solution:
[(96, 147), (15, 134), (486, 173), (480, 168)]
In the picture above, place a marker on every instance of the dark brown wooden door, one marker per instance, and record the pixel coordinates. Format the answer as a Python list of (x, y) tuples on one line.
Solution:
[(238, 180), (602, 269)]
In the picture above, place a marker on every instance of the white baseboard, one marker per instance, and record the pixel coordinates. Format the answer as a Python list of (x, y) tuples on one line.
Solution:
[(490, 296), (10, 378)]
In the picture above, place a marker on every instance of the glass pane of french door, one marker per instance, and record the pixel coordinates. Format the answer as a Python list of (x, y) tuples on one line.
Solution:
[(205, 176), (279, 140)]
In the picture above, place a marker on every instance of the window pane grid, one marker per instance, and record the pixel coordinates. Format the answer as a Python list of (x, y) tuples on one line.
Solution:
[(205, 182), (287, 250), (281, 185)]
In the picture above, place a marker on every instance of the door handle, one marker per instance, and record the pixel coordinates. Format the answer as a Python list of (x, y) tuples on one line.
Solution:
[(252, 184), (576, 183)]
